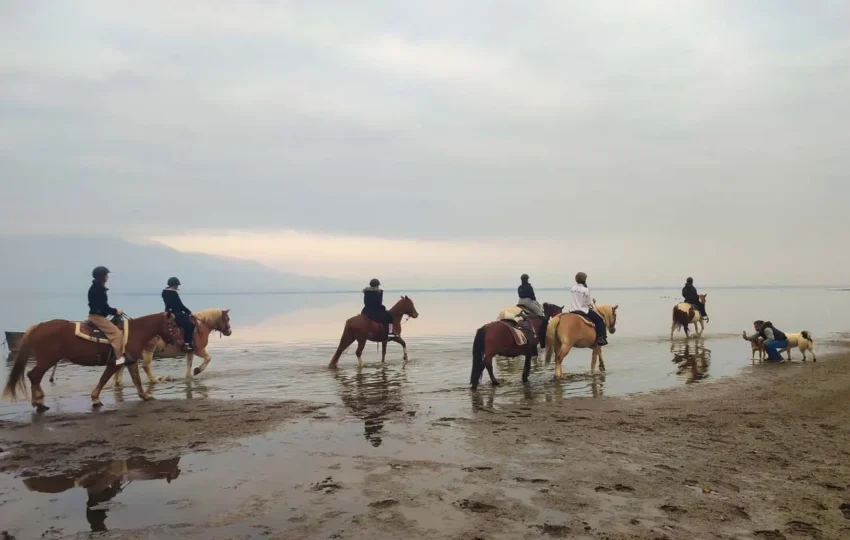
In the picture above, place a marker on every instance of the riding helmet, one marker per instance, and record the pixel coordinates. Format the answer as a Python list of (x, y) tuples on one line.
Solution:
[(100, 272), (581, 277), (374, 283), (524, 277), (173, 282)]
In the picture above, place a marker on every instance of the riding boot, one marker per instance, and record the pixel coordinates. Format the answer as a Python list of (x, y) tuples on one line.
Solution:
[(601, 341), (390, 332)]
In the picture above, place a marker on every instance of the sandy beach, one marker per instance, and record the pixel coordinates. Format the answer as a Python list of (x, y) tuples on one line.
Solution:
[(763, 455)]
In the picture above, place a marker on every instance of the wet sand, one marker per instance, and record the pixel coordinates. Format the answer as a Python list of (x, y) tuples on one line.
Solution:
[(764, 455)]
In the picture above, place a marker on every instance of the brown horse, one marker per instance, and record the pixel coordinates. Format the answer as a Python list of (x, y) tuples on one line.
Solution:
[(570, 330), (497, 339), (55, 340), (362, 329)]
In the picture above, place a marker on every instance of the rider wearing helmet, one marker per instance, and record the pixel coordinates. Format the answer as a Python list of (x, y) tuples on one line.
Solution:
[(182, 314), (527, 299), (689, 292), (582, 303), (99, 309), (373, 306)]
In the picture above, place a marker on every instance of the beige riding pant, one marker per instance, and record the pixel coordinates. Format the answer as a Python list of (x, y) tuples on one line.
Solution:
[(116, 338)]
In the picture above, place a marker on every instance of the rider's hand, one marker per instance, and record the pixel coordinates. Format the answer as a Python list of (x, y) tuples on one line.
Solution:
[(745, 334), (119, 312)]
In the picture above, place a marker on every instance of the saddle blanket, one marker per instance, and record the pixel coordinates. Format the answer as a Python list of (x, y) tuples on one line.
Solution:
[(88, 331), (520, 335)]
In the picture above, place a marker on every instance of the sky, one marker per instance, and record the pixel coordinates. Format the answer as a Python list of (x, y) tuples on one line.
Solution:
[(435, 143)]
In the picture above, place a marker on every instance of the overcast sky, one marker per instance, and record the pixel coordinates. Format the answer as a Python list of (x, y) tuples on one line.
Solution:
[(440, 143)]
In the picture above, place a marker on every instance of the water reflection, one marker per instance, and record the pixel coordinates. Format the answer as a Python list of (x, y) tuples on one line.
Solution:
[(373, 395), (692, 360), (103, 481)]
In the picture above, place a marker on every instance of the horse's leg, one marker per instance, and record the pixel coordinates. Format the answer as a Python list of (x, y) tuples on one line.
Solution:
[(119, 376), (344, 342), (35, 375), (361, 344), (107, 374), (206, 356), (672, 329), (189, 357), (488, 363), (594, 354), (147, 360), (562, 353), (601, 360), (53, 373), (383, 351), (137, 381), (403, 344), (526, 369)]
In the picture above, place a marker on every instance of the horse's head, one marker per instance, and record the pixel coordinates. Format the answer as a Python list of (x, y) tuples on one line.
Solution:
[(609, 314), (550, 310), (169, 331), (702, 298), (407, 308), (217, 319)]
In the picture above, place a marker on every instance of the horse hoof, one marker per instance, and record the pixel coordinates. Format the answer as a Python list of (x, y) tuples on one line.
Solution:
[(147, 397), (39, 408), (496, 383), (197, 371), (96, 404), (163, 378), (525, 380)]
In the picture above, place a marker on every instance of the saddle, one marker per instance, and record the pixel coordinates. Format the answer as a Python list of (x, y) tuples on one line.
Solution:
[(88, 331), (522, 334), (585, 318)]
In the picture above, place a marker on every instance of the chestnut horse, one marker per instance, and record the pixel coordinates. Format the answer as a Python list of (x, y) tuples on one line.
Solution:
[(497, 339), (362, 329), (206, 321), (55, 340), (570, 330)]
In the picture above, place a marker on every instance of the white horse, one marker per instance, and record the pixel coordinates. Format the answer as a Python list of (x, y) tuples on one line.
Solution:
[(208, 321), (685, 314)]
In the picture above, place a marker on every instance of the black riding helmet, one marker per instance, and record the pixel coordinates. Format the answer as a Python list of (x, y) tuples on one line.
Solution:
[(173, 282), (99, 273), (523, 278), (374, 283)]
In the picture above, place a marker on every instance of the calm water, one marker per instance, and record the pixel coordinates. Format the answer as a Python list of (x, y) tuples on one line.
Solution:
[(281, 345)]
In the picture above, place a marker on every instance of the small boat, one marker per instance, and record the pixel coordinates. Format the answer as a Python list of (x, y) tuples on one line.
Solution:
[(13, 339)]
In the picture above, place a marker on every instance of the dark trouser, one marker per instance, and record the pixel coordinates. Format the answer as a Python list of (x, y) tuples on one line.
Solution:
[(700, 307), (184, 322), (598, 322), (772, 349)]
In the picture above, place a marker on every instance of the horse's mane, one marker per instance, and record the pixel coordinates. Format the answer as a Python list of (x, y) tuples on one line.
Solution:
[(607, 312), (209, 316)]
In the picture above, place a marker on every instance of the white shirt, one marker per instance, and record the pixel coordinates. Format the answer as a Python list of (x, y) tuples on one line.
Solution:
[(580, 299)]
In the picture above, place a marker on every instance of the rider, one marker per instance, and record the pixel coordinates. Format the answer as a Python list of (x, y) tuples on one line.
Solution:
[(182, 314), (99, 309), (773, 338), (691, 297), (582, 303), (527, 299), (373, 306)]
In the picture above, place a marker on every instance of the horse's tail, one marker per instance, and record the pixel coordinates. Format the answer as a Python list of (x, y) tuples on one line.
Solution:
[(681, 319), (478, 350), (16, 382), (808, 337)]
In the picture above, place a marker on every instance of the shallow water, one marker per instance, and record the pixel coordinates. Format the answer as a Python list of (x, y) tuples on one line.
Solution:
[(280, 348)]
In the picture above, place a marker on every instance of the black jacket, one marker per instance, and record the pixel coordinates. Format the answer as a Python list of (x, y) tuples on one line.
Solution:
[(526, 291), (173, 304), (778, 334), (373, 299), (98, 301), (690, 293)]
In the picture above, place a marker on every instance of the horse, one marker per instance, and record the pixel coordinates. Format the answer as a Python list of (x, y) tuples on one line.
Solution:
[(570, 330), (685, 314), (208, 321), (57, 339), (497, 338), (362, 329)]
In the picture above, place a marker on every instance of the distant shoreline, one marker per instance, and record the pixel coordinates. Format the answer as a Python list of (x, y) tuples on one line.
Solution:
[(448, 290)]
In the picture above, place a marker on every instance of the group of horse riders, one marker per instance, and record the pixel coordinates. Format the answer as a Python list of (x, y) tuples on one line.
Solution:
[(99, 310)]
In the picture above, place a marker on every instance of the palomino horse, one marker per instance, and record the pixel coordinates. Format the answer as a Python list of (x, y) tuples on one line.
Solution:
[(497, 338), (685, 314), (362, 329), (207, 321), (54, 340), (570, 330)]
